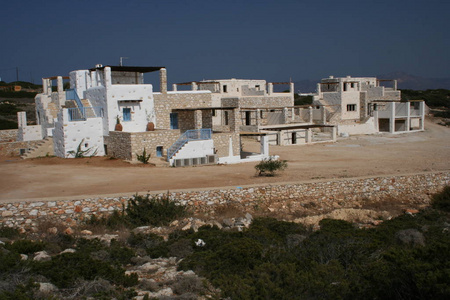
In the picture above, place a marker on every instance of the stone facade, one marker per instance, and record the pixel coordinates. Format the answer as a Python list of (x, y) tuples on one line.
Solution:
[(325, 195), (125, 145), (165, 102), (222, 143), (13, 148), (8, 135)]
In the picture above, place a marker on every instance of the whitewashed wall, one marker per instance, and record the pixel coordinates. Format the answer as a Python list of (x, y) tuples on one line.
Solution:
[(67, 136)]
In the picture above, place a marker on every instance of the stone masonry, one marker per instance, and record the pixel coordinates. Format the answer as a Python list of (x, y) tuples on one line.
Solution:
[(325, 195)]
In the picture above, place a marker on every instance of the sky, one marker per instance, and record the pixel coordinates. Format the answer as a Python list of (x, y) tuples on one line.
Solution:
[(278, 40)]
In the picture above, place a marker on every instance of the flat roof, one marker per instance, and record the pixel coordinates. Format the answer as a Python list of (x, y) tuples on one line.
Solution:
[(203, 108), (295, 127), (129, 69)]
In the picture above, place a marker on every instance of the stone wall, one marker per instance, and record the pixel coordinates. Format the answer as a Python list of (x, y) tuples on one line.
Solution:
[(324, 195), (164, 103), (222, 143), (8, 135), (125, 145), (13, 148)]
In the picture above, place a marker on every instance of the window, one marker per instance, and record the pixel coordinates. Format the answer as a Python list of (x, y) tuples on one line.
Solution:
[(126, 114), (225, 89), (248, 118), (351, 107), (173, 120), (257, 87), (226, 117)]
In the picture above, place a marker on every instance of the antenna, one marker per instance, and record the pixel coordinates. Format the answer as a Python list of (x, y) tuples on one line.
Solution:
[(121, 60)]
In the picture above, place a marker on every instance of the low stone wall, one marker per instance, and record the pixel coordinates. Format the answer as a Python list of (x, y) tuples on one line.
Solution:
[(13, 148), (290, 198), (8, 135), (125, 145)]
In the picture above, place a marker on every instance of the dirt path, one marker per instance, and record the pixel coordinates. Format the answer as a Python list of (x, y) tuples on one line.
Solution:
[(352, 157)]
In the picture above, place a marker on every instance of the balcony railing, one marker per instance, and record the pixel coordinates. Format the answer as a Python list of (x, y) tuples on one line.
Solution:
[(189, 135), (83, 113)]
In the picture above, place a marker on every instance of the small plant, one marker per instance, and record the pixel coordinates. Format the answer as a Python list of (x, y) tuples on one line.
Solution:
[(441, 200), (268, 167), (144, 157), (79, 153)]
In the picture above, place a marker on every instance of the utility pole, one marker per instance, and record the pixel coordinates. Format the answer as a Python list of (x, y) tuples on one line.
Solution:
[(121, 60)]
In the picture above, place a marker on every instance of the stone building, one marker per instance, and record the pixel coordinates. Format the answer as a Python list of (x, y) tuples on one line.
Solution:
[(365, 105), (110, 110)]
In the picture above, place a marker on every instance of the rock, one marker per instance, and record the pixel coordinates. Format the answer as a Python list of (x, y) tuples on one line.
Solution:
[(249, 217), (47, 288), (52, 230), (42, 256), (7, 213), (68, 231), (149, 267), (86, 232), (23, 256), (411, 237), (68, 250), (411, 211), (148, 284), (228, 222)]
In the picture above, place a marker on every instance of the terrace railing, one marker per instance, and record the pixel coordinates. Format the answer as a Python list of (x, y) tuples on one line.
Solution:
[(83, 113), (71, 94), (187, 136)]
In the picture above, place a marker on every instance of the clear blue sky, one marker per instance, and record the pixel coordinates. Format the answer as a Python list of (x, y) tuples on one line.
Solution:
[(195, 39)]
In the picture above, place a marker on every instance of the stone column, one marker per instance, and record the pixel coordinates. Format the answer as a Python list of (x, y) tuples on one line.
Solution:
[(235, 120), (163, 80), (324, 114), (174, 87), (270, 88), (311, 114), (285, 115), (308, 135), (408, 115), (265, 145), (422, 115), (292, 114), (194, 86), (392, 118), (395, 85), (334, 133), (258, 117), (198, 119)]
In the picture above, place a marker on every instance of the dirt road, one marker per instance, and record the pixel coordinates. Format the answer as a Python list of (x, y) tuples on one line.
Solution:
[(352, 157)]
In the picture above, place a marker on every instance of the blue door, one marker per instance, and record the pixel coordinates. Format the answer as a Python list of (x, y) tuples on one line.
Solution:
[(159, 151), (173, 120)]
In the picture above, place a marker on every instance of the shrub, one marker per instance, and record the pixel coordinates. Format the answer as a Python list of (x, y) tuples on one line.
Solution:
[(156, 211), (79, 153), (144, 157), (268, 167), (441, 200)]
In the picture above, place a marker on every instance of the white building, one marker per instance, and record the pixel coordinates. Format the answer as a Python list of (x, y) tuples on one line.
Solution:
[(366, 105)]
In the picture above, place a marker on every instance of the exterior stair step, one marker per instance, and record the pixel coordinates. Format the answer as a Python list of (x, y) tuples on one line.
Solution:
[(44, 148)]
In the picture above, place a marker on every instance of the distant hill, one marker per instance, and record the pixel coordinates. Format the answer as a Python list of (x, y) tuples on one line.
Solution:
[(404, 81)]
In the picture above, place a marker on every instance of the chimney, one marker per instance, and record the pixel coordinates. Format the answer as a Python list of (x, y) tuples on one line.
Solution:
[(163, 80)]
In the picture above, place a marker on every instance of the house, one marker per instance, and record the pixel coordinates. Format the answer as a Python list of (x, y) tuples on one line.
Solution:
[(264, 111), (180, 126), (366, 105)]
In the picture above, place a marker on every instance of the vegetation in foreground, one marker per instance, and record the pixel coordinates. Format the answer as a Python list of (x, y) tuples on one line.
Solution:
[(403, 258)]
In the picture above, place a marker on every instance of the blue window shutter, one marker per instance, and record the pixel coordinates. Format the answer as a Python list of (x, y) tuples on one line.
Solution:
[(127, 114)]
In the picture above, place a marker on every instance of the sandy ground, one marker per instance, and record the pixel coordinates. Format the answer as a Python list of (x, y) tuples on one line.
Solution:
[(352, 157)]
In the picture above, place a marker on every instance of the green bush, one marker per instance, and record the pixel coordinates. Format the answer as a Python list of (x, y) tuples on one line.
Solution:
[(25, 246), (143, 210), (156, 211), (144, 157), (441, 200), (268, 167)]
